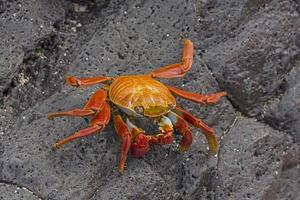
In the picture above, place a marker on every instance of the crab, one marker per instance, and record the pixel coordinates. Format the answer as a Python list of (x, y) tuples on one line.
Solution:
[(136, 96)]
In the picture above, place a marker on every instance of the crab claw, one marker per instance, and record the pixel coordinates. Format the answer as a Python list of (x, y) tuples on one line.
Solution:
[(183, 128), (140, 146)]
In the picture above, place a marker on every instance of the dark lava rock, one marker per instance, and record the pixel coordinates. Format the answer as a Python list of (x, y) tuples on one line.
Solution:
[(261, 47), (248, 48), (284, 113), (13, 192), (25, 52), (255, 163)]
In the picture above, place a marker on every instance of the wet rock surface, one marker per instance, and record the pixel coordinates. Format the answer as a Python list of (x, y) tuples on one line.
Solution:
[(248, 48)]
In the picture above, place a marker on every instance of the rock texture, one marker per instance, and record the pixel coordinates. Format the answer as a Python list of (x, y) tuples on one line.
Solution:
[(249, 48)]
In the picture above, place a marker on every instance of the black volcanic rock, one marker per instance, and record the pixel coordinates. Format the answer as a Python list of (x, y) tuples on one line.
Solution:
[(248, 48)]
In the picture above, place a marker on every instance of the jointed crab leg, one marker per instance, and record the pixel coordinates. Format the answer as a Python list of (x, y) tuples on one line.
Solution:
[(183, 128), (207, 99), (208, 132), (94, 105), (178, 69), (78, 82), (125, 136), (98, 123)]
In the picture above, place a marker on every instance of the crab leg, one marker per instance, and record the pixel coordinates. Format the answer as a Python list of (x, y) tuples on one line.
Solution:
[(78, 82), (178, 69), (183, 128), (93, 106), (208, 132), (125, 136), (97, 124), (207, 99)]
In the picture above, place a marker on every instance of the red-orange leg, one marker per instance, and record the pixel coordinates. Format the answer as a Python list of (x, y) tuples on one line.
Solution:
[(79, 82), (207, 99), (208, 132), (97, 124), (125, 137), (183, 128), (93, 106), (178, 69)]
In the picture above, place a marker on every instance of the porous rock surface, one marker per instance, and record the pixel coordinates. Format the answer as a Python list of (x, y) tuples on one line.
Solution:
[(248, 48)]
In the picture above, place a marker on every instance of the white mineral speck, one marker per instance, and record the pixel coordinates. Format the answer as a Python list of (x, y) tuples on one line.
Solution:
[(73, 29), (79, 8)]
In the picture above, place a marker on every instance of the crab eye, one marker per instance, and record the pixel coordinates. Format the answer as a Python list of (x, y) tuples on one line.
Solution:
[(171, 106), (139, 109)]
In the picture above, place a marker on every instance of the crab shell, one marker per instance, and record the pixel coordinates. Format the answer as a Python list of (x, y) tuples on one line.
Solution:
[(141, 95)]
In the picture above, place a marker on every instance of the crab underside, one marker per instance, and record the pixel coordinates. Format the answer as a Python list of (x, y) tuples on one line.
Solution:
[(127, 97)]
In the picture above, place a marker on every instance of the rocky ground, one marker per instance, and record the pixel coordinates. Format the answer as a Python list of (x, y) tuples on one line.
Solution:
[(249, 48)]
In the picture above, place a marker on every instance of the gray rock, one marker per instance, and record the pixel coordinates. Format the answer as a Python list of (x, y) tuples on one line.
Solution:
[(255, 163), (263, 47), (284, 113), (14, 192), (23, 24), (234, 41)]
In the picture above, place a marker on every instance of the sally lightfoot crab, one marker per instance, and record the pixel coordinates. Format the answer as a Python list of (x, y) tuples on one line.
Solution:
[(142, 96)]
